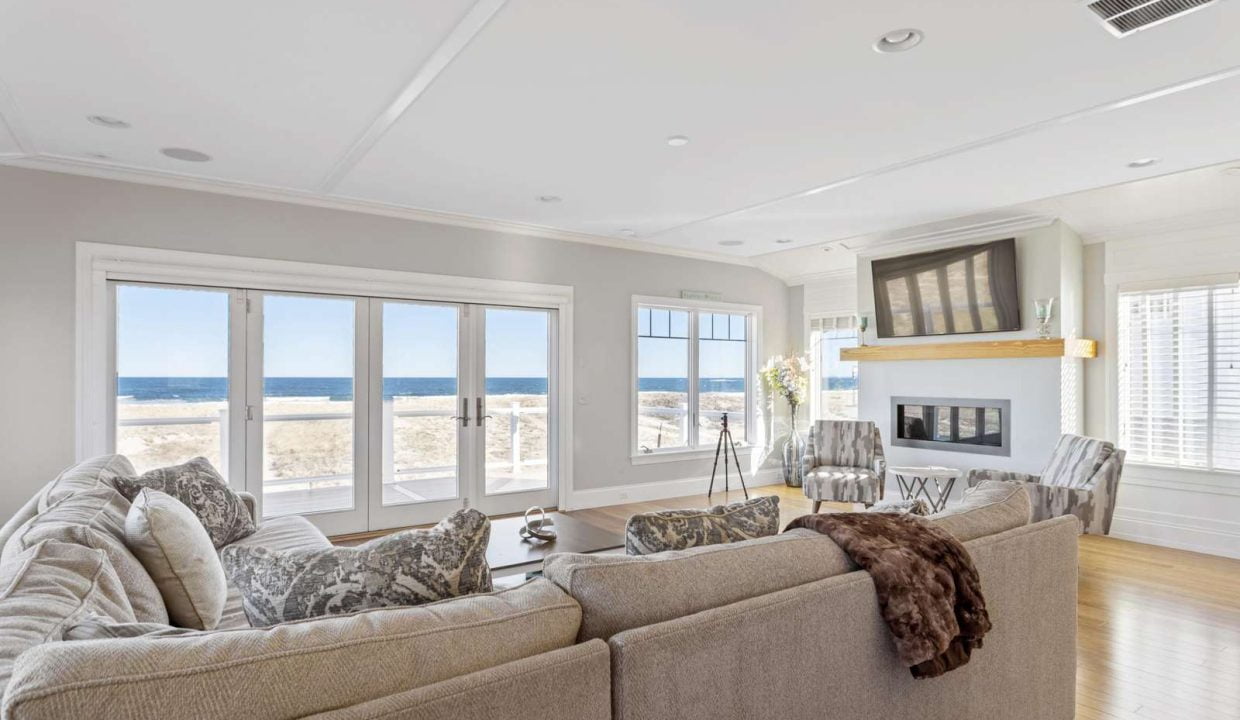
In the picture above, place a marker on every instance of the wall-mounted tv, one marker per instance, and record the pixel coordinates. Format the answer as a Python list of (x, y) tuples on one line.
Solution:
[(968, 289)]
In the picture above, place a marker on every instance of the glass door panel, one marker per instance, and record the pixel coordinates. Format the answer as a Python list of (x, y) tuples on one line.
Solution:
[(421, 403), (308, 409), (172, 386), (517, 400), (515, 467)]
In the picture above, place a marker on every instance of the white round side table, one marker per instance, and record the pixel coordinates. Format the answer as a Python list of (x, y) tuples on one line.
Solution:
[(913, 483)]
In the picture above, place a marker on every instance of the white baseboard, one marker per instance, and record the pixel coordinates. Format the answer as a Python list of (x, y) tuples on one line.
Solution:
[(645, 492), (1183, 532)]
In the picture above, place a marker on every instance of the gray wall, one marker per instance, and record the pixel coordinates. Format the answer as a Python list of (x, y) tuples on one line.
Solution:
[(42, 215), (1095, 326)]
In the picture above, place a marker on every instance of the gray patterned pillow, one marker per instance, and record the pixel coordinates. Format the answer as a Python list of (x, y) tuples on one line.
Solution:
[(196, 484), (411, 567), (681, 529)]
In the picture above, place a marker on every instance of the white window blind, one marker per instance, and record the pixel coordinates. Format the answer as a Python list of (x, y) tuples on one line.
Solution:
[(1179, 376)]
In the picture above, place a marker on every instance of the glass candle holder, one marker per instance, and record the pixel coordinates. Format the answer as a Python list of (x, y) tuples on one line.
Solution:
[(1044, 311)]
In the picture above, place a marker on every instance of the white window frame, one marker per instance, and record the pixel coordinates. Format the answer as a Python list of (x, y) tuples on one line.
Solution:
[(814, 343), (753, 346), (98, 264), (1169, 476)]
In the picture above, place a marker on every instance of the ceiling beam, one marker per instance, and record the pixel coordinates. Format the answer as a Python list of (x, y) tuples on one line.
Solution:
[(456, 41)]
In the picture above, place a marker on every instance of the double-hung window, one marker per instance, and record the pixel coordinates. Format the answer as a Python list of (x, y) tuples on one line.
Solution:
[(1179, 376), (693, 365), (834, 389)]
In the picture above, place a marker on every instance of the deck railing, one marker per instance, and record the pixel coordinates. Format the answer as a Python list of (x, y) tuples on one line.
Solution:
[(391, 475)]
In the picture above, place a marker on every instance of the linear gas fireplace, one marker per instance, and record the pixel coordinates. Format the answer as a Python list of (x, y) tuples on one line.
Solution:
[(959, 424)]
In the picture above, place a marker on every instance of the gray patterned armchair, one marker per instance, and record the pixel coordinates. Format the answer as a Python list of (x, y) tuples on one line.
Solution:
[(844, 462), (1081, 479)]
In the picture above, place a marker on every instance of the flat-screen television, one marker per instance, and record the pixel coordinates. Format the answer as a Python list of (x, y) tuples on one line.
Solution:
[(969, 289)]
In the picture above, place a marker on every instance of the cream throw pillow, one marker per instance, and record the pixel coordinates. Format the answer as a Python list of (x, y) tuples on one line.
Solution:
[(179, 556)]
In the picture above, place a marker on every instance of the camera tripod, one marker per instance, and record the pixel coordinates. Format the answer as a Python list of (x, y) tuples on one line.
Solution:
[(725, 434)]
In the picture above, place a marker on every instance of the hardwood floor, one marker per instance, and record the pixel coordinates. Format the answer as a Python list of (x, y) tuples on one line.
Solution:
[(1158, 630)]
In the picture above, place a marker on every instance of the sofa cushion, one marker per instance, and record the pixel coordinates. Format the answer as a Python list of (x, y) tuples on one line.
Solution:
[(20, 518), (196, 483), (86, 475), (618, 592), (653, 532), (572, 683), (97, 627), (990, 507), (177, 552), (295, 669), (49, 586), (405, 568), (96, 518)]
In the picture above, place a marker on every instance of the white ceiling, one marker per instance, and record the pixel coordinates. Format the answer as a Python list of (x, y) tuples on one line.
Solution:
[(474, 109)]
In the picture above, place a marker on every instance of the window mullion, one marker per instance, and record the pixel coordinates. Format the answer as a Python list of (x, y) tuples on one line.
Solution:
[(694, 373)]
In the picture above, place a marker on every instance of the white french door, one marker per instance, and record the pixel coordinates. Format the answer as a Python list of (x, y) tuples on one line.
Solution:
[(359, 413)]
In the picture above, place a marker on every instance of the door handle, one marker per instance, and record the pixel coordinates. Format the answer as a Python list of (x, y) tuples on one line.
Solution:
[(481, 417), (464, 416)]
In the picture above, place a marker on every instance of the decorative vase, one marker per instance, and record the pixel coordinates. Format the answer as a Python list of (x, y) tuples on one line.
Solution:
[(794, 450)]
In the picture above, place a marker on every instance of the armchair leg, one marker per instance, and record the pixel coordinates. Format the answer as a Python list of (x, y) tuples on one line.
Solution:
[(817, 504)]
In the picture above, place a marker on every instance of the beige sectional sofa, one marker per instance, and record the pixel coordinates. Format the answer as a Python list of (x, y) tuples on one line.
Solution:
[(781, 627)]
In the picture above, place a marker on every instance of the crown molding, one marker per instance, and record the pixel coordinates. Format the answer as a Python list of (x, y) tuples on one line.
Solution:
[(108, 170), (826, 275), (913, 240), (1179, 224)]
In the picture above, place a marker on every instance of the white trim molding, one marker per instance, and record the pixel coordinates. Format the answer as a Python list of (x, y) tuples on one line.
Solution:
[(98, 264)]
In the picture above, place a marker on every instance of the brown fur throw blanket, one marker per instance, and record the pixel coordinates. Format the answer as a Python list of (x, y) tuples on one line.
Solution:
[(928, 589)]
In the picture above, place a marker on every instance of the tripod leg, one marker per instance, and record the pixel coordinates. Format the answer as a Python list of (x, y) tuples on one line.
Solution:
[(725, 463), (739, 474), (715, 467)]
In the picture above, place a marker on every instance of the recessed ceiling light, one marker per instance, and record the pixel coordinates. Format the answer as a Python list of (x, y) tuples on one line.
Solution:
[(549, 198), (899, 40), (97, 156), (108, 121), (186, 154), (678, 141), (1233, 171), (628, 232), (1142, 163), (731, 243), (783, 241)]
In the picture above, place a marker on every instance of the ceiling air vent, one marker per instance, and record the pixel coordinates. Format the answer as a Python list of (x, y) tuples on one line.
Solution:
[(1123, 17)]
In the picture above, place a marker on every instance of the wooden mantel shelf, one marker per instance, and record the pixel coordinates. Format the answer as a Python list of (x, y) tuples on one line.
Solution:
[(1054, 347)]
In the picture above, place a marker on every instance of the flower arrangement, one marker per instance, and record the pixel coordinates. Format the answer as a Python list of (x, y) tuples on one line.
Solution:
[(788, 377)]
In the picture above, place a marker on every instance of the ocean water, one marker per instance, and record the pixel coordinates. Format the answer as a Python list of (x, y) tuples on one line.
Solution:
[(215, 389)]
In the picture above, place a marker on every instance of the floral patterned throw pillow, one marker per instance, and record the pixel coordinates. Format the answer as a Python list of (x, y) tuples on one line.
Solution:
[(655, 532), (197, 484), (411, 567)]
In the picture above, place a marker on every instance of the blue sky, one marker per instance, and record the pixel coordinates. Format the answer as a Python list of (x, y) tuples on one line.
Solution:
[(169, 332), (166, 332)]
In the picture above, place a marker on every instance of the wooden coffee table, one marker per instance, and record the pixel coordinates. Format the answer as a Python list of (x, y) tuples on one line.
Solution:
[(511, 555)]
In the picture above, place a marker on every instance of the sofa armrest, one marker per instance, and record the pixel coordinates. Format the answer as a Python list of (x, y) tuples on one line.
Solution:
[(251, 504), (977, 475)]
